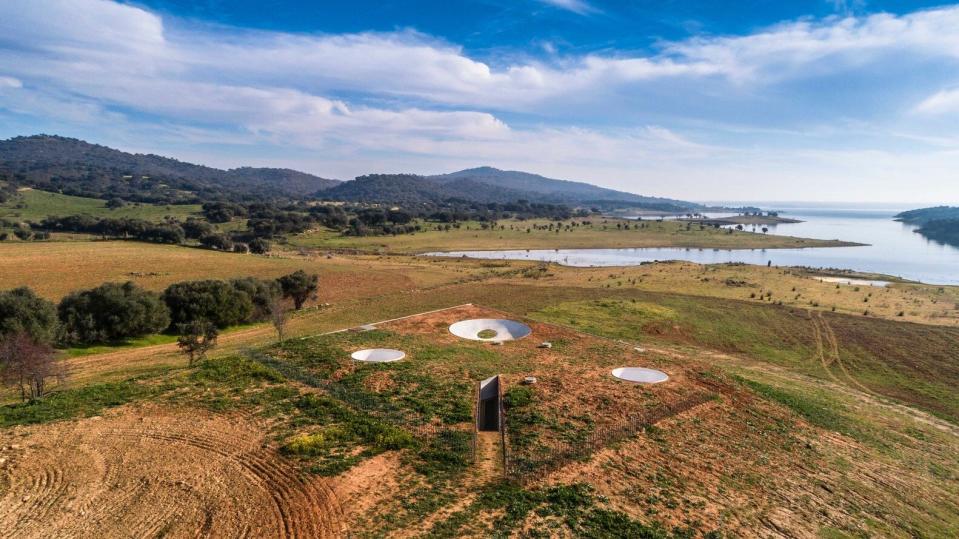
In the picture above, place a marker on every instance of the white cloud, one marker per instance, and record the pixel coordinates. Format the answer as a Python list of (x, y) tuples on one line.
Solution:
[(421, 103), (942, 102), (576, 6)]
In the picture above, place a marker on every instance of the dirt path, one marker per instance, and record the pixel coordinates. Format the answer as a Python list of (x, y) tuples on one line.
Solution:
[(489, 456), (150, 471)]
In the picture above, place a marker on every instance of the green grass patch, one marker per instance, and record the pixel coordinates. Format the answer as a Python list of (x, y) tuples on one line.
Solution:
[(34, 205), (79, 402), (149, 340)]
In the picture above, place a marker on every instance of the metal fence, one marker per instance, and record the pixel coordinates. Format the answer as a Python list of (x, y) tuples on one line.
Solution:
[(431, 434)]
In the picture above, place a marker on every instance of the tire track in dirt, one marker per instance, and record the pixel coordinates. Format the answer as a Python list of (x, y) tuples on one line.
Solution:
[(159, 471), (837, 358), (821, 345)]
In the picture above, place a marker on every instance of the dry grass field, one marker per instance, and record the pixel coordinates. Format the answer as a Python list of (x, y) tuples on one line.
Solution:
[(54, 269), (928, 304), (601, 233)]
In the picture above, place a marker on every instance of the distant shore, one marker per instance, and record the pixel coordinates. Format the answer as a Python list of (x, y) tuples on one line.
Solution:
[(742, 220)]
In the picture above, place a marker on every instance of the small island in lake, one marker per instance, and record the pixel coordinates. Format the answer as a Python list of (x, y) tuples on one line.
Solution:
[(940, 223)]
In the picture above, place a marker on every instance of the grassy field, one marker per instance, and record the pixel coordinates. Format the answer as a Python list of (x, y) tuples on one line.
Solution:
[(34, 205), (928, 304), (512, 234), (909, 363), (54, 269), (774, 449)]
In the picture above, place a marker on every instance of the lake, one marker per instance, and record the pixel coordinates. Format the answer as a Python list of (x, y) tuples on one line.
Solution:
[(893, 248)]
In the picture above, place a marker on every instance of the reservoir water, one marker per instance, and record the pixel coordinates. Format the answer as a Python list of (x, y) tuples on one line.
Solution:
[(893, 248)]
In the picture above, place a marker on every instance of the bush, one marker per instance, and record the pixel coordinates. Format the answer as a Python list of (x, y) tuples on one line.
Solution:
[(21, 310), (216, 301), (111, 312)]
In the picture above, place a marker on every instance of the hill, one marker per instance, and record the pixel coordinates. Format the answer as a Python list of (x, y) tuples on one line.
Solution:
[(75, 167), (940, 223), (924, 215), (941, 230), (410, 191), (561, 191)]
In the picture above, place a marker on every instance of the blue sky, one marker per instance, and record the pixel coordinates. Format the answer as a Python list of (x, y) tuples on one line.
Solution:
[(803, 100)]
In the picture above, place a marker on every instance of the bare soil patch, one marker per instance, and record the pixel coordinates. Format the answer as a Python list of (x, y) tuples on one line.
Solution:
[(142, 471)]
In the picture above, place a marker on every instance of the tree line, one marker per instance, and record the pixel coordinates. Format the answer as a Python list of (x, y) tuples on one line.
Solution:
[(30, 325)]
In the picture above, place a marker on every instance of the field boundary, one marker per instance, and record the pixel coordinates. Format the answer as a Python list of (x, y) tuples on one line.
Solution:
[(373, 324)]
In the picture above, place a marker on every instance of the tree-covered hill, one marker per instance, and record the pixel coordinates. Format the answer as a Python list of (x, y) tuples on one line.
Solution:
[(924, 215), (561, 191), (409, 191), (75, 167)]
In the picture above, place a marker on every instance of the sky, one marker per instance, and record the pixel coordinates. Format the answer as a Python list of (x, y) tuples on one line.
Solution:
[(700, 100)]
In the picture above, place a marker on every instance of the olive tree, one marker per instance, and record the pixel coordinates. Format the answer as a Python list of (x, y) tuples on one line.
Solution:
[(298, 286)]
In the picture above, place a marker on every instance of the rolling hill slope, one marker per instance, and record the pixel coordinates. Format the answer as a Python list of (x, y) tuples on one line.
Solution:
[(560, 191), (75, 167)]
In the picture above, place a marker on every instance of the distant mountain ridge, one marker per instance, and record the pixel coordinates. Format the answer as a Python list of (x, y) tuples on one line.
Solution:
[(410, 189), (560, 191), (76, 167)]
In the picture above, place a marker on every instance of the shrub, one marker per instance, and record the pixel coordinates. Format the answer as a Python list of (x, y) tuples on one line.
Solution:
[(111, 312)]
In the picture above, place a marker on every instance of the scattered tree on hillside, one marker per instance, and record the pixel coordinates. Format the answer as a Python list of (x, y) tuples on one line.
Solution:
[(28, 364), (196, 339), (221, 242), (115, 203), (299, 286), (279, 316), (259, 246), (21, 310)]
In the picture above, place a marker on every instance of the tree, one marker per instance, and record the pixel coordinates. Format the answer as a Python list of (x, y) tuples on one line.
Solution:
[(28, 364), (23, 311), (115, 203), (259, 246), (298, 286), (279, 316), (221, 242), (218, 302), (261, 292), (111, 312), (196, 339), (24, 234)]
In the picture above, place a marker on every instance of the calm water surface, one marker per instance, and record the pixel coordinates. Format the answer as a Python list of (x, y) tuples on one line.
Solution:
[(894, 248)]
